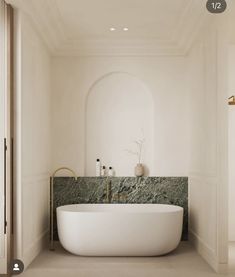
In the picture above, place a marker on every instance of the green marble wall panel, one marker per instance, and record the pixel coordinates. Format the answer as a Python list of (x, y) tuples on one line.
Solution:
[(160, 190)]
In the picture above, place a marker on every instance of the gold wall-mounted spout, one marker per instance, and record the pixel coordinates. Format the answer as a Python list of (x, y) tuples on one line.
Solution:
[(52, 200), (231, 100)]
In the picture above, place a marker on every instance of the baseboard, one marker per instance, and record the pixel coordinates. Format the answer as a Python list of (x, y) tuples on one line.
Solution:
[(208, 254), (35, 248)]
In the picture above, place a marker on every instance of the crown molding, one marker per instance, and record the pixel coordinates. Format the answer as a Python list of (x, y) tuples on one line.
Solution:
[(47, 24), (51, 28), (106, 47), (196, 16)]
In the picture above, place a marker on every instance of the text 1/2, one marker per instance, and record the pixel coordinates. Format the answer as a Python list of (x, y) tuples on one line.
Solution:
[(218, 6)]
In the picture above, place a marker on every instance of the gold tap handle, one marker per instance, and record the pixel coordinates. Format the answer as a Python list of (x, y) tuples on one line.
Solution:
[(115, 197), (123, 196)]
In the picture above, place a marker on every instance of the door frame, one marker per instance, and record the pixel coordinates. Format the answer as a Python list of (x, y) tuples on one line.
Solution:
[(8, 137)]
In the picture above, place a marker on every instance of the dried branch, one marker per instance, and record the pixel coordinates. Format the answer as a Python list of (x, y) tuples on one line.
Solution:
[(137, 153)]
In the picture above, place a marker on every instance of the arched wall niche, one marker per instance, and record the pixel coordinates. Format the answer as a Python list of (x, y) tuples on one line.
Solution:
[(119, 111)]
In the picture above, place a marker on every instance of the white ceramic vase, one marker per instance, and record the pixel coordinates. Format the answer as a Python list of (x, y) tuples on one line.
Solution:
[(139, 170)]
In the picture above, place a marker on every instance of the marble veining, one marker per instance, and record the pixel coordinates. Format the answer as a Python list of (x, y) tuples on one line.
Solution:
[(158, 190)]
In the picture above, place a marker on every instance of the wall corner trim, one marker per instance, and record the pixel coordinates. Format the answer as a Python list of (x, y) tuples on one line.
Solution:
[(208, 254)]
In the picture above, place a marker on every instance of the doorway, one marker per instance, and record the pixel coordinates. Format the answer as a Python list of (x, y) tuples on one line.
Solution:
[(6, 137)]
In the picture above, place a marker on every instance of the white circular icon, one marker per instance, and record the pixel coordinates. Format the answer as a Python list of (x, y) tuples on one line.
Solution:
[(17, 267)]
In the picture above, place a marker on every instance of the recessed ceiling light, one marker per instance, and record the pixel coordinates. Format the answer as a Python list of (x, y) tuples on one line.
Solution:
[(125, 29), (112, 29)]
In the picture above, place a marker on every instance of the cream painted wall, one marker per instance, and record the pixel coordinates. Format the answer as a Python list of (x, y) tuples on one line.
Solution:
[(165, 78), (208, 159), (231, 146), (33, 147), (203, 174), (119, 111)]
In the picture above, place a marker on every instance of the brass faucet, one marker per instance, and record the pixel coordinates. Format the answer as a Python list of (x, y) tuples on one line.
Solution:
[(116, 197), (120, 197), (51, 203)]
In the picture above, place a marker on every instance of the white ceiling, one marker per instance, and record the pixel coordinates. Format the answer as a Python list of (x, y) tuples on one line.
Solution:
[(145, 18), (81, 27)]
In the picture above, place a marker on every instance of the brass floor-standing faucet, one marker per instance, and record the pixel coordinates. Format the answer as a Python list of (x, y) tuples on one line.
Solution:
[(52, 201)]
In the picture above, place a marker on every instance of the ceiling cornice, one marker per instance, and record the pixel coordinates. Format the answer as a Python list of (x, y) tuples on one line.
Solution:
[(190, 24), (52, 31), (103, 47)]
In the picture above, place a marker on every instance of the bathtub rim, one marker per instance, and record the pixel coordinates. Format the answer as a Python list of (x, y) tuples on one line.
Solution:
[(70, 208)]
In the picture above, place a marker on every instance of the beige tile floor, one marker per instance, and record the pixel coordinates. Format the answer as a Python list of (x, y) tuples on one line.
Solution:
[(182, 262)]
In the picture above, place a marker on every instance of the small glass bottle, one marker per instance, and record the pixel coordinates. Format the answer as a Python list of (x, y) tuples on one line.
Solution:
[(98, 167), (103, 171), (110, 173)]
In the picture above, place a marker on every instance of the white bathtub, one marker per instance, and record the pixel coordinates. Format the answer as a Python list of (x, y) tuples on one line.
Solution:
[(119, 229)]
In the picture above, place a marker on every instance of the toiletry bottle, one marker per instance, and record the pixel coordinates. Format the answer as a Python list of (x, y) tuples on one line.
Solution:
[(98, 167), (110, 173), (103, 171)]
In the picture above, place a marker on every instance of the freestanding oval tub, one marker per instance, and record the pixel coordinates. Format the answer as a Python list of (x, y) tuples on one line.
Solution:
[(119, 229)]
